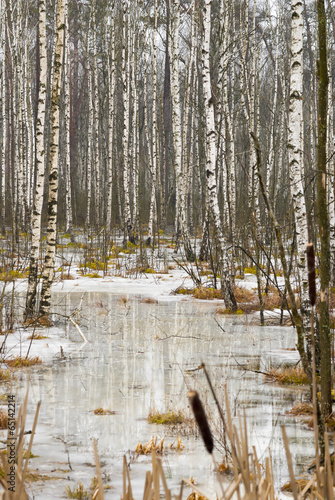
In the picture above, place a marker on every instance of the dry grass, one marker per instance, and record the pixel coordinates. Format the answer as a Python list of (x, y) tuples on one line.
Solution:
[(301, 484), (67, 276), (5, 375), (301, 409), (243, 295), (207, 293), (3, 420), (40, 321), (102, 411), (21, 362), (79, 491), (149, 300), (288, 376), (37, 336), (168, 418), (123, 300), (156, 445)]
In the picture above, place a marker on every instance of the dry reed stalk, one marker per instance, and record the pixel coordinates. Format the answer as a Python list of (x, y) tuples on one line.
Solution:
[(289, 463), (99, 493), (29, 447)]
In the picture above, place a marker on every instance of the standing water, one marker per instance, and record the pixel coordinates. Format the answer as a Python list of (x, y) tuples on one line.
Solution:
[(144, 356)]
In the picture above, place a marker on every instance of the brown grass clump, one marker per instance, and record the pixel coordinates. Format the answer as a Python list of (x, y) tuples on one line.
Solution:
[(3, 420), (78, 491), (288, 376), (243, 294), (168, 418), (196, 496), (152, 445), (204, 293), (301, 483), (5, 375), (149, 300), (21, 362), (272, 300), (224, 467), (40, 321), (37, 336), (156, 444), (301, 409), (123, 300), (67, 276), (102, 411)]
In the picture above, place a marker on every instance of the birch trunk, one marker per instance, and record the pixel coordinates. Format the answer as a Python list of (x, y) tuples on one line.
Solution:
[(295, 157), (153, 206), (181, 226), (3, 113), (89, 141), (111, 120), (49, 260), (128, 224), (67, 169), (227, 292), (39, 166)]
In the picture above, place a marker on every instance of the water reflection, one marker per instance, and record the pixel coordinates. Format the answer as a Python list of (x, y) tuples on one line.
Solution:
[(137, 359)]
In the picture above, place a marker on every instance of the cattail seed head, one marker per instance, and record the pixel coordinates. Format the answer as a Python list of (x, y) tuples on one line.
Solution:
[(311, 272), (201, 419)]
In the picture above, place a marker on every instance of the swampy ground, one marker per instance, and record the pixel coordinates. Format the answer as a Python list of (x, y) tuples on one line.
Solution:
[(144, 347)]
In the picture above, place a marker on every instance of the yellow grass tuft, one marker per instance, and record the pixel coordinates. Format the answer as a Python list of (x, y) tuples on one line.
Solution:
[(21, 362), (288, 376), (168, 418)]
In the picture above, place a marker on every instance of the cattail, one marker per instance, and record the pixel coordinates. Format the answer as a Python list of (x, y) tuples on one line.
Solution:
[(311, 272), (200, 417)]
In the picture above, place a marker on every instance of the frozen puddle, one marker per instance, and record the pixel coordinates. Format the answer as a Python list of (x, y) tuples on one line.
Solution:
[(136, 360)]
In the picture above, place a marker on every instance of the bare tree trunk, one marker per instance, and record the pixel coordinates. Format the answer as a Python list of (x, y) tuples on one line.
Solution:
[(177, 136), (39, 165), (295, 133), (227, 292), (49, 260), (128, 224), (111, 120), (325, 335)]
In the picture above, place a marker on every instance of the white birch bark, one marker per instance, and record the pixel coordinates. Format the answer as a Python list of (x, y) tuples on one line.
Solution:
[(111, 119), (50, 251), (295, 154), (226, 287), (39, 165), (89, 141), (128, 225), (3, 113), (177, 135), (153, 207), (96, 149), (67, 166)]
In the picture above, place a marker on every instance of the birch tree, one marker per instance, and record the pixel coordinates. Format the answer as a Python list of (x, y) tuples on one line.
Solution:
[(128, 224), (227, 292), (295, 156), (181, 223), (49, 261), (153, 206), (39, 165)]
